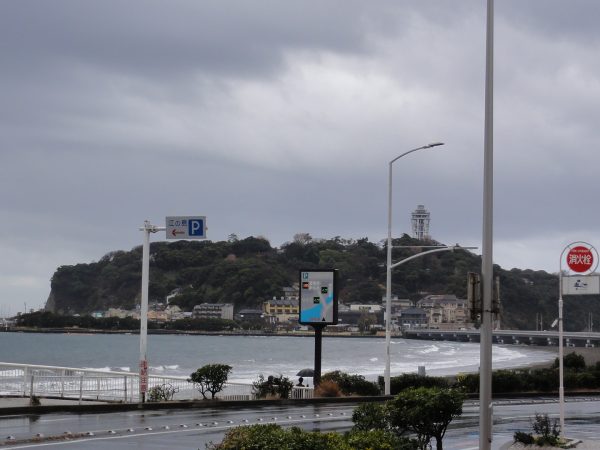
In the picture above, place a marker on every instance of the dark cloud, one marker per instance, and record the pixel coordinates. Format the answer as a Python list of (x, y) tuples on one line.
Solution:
[(554, 19), (116, 112)]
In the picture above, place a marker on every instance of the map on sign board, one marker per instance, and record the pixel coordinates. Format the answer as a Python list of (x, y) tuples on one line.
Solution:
[(318, 297), (185, 227), (581, 285)]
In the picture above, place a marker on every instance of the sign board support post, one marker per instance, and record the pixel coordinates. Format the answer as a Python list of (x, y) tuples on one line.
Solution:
[(318, 347), (561, 374), (582, 258), (179, 227), (148, 228)]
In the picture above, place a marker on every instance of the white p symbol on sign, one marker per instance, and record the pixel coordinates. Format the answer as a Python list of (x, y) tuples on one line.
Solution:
[(196, 227)]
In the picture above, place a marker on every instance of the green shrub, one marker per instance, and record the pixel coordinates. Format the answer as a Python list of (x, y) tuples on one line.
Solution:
[(371, 416), (550, 441), (273, 437), (284, 386), (162, 392), (523, 438), (352, 384), (507, 381), (280, 386), (547, 429), (379, 440), (300, 439), (412, 380), (328, 388), (469, 382), (573, 361), (544, 380), (579, 380)]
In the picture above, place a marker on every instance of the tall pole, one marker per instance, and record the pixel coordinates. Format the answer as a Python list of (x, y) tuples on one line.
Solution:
[(388, 287), (144, 311), (561, 373), (487, 266), (388, 282), (147, 229)]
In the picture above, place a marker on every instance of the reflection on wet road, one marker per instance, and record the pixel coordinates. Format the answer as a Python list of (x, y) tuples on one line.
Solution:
[(192, 429)]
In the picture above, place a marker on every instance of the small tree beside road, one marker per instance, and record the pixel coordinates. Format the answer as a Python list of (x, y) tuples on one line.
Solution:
[(427, 412), (210, 378), (424, 411)]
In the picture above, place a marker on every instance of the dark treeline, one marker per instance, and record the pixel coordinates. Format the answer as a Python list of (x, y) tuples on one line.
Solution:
[(47, 319), (246, 272)]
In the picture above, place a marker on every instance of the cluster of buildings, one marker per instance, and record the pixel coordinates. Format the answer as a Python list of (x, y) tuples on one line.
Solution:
[(444, 312), (159, 312)]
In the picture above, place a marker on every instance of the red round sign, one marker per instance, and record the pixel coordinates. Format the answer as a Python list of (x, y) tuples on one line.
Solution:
[(580, 259)]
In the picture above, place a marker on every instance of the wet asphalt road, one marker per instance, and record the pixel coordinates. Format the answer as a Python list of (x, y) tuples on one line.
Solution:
[(193, 429)]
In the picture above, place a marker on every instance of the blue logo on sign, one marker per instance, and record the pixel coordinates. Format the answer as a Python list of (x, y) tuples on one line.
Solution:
[(196, 227)]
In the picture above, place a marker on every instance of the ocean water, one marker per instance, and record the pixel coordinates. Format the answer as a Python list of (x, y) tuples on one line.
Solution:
[(253, 355)]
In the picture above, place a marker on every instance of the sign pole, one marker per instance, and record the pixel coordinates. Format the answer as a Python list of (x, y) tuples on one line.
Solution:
[(582, 258), (143, 385), (179, 227), (561, 387), (318, 347), (147, 229)]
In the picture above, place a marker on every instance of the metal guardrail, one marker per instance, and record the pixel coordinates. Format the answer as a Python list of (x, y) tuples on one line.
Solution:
[(85, 384)]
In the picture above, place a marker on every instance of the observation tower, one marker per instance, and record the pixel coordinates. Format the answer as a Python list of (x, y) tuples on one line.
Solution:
[(420, 223)]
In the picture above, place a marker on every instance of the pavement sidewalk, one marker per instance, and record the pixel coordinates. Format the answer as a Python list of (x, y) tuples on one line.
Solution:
[(20, 402)]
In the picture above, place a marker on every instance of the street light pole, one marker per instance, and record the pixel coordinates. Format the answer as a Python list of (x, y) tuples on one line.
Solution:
[(388, 289), (487, 266)]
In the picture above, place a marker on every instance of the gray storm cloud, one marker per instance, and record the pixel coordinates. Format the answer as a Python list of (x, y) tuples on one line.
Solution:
[(116, 112)]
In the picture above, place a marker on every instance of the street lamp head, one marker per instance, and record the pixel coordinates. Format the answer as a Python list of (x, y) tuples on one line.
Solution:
[(435, 144)]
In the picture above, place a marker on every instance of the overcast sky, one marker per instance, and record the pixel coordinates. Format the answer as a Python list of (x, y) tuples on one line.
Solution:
[(273, 118)]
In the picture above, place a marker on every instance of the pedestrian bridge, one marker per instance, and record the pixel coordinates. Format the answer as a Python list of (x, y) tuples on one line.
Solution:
[(523, 337)]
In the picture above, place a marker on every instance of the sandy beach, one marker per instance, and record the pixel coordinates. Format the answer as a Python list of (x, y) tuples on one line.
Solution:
[(591, 354)]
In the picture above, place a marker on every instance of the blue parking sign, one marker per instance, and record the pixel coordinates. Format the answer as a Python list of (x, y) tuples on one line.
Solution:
[(185, 227), (196, 227)]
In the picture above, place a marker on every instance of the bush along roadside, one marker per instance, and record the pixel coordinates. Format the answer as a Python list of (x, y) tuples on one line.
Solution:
[(546, 432), (413, 420), (352, 384), (278, 387), (577, 376)]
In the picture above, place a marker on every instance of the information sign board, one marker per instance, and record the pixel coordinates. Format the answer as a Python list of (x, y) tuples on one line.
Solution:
[(581, 285), (318, 297), (186, 227)]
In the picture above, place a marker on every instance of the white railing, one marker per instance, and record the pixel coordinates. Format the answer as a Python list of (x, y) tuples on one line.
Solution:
[(84, 384)]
